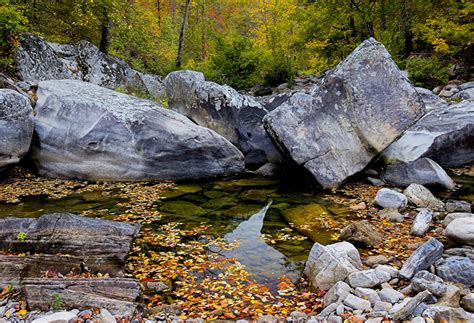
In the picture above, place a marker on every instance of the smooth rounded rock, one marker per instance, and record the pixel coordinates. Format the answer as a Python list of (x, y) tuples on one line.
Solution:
[(388, 198), (461, 230)]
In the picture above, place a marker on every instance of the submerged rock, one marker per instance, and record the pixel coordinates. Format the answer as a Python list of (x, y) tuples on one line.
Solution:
[(361, 232), (335, 132), (87, 132), (16, 126), (327, 265), (236, 117), (445, 135), (423, 171)]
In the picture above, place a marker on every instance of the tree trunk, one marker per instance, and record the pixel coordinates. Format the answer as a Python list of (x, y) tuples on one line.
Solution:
[(203, 31), (382, 15), (181, 35), (158, 8), (104, 34)]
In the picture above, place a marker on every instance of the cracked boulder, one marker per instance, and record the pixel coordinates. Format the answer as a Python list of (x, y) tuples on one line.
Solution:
[(235, 116), (16, 126), (88, 132), (358, 110)]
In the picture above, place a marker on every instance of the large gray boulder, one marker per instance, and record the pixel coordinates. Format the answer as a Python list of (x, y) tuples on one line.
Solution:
[(87, 132), (327, 265), (358, 110), (446, 135), (235, 116), (39, 60), (423, 171), (422, 197), (16, 126)]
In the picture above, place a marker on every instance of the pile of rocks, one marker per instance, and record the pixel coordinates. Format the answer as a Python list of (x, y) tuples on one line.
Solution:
[(432, 283)]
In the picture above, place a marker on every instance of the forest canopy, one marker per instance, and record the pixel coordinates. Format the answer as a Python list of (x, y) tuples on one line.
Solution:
[(244, 43)]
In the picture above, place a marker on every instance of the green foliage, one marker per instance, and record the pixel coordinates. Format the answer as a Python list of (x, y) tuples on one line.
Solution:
[(427, 72), (12, 23), (22, 236), (244, 43), (57, 302)]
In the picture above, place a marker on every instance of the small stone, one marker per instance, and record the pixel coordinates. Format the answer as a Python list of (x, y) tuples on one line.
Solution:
[(461, 230), (382, 306), (368, 278), (421, 197), (403, 310), (340, 309), (58, 317), (390, 295), (328, 310), (452, 216), (424, 280), (362, 233), (375, 181), (468, 302), (418, 319), (423, 257), (420, 309), (392, 215), (297, 316), (392, 271), (106, 317), (456, 269), (371, 261), (388, 198), (334, 319), (337, 293), (358, 207), (447, 314), (374, 320), (368, 294), (451, 297), (422, 222), (357, 303), (458, 206)]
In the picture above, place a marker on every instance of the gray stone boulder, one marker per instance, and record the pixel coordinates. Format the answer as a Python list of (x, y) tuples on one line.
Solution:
[(430, 99), (422, 197), (458, 206), (368, 294), (447, 314), (468, 302), (236, 117), (423, 171), (421, 223), (327, 265), (337, 293), (335, 132), (390, 295), (357, 303), (39, 60), (461, 230), (362, 233), (87, 132), (368, 278), (445, 135), (457, 269), (423, 257), (16, 126), (391, 199), (424, 280), (458, 215)]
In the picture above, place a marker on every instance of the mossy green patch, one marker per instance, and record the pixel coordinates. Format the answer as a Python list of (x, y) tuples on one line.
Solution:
[(182, 208), (180, 190)]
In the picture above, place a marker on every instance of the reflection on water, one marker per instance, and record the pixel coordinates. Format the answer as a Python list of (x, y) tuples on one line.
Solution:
[(267, 263)]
